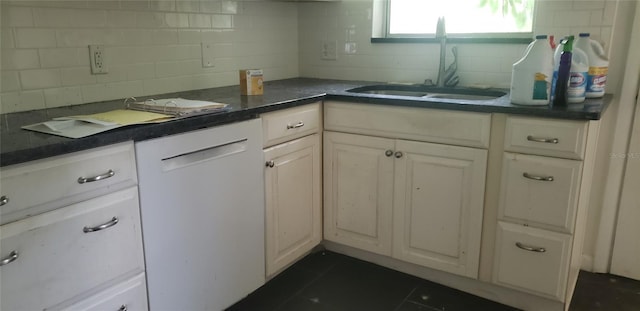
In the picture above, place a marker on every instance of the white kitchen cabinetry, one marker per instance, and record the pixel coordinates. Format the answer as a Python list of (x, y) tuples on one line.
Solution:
[(542, 205), (419, 202), (67, 254), (293, 185)]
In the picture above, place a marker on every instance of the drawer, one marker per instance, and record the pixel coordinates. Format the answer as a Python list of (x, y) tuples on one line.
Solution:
[(57, 260), (539, 191), (289, 124), (129, 295), (532, 260), (430, 125), (43, 185), (556, 138)]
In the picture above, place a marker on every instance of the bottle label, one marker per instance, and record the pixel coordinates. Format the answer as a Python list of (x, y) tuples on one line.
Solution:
[(596, 79), (540, 86), (577, 84)]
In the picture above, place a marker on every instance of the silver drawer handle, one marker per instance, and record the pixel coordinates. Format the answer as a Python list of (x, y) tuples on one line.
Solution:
[(531, 248), (109, 174), (9, 259), (123, 308), (4, 200), (295, 126), (537, 177), (103, 226), (543, 139)]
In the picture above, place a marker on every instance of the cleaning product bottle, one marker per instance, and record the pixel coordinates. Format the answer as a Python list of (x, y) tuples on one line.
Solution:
[(531, 75), (577, 74), (564, 67), (598, 65)]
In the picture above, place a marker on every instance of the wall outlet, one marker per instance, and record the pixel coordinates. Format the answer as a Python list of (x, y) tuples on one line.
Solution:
[(98, 59), (329, 50)]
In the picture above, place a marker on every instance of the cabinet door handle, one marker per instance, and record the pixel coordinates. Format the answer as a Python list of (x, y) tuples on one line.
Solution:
[(109, 174), (9, 259), (103, 226), (295, 126), (531, 248), (4, 200), (537, 177), (270, 163), (388, 153), (398, 154), (543, 139), (123, 308)]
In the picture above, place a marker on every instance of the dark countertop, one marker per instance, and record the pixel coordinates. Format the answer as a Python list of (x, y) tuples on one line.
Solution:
[(18, 146)]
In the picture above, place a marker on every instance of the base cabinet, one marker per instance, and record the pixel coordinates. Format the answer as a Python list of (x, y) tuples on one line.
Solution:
[(293, 201), (417, 202)]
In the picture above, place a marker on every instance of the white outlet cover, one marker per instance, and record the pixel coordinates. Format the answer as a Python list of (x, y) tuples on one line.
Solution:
[(208, 55), (329, 50), (98, 59)]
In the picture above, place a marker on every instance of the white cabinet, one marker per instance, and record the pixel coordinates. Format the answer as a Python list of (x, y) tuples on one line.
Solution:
[(293, 185), (67, 253), (543, 196), (438, 203), (419, 202)]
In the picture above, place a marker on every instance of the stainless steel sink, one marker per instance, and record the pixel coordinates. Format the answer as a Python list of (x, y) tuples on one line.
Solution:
[(423, 91)]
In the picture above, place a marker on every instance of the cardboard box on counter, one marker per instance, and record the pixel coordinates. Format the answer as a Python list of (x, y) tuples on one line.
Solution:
[(251, 82)]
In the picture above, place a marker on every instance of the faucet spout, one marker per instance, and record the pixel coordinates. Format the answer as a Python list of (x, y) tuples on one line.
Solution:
[(441, 34)]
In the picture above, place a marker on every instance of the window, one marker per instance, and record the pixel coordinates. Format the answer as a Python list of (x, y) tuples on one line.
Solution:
[(463, 18)]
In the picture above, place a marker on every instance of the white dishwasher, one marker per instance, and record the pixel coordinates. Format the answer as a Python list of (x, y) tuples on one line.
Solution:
[(202, 209)]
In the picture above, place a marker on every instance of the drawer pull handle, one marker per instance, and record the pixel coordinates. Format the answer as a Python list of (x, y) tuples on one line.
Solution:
[(530, 248), (295, 126), (123, 308), (4, 200), (537, 177), (270, 164), (398, 154), (543, 139), (9, 259), (109, 174), (388, 153), (103, 226)]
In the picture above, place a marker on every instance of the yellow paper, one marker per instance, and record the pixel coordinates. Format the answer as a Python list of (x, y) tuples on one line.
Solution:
[(124, 117)]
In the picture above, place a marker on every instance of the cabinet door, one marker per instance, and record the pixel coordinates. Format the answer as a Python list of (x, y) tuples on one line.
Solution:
[(293, 197), (358, 189), (438, 202)]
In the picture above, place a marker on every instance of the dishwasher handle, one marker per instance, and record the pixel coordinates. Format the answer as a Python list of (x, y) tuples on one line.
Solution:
[(206, 154)]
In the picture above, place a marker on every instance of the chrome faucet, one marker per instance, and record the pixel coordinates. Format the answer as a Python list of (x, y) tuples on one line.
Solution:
[(441, 34), (445, 77)]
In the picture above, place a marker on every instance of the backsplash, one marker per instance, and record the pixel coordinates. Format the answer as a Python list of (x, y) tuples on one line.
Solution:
[(152, 47), (349, 23)]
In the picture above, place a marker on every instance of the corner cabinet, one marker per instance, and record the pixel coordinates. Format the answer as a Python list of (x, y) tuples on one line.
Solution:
[(293, 188), (416, 201)]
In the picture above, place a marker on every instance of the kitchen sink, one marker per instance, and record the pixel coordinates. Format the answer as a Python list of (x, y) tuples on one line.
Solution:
[(424, 91)]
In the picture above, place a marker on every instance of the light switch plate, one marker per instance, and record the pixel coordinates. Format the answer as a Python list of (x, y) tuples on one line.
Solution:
[(208, 55)]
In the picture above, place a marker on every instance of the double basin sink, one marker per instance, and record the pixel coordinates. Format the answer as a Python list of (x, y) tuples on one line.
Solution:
[(427, 92)]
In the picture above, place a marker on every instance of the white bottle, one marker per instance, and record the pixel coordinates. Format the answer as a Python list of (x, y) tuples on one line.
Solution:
[(577, 86), (531, 75), (598, 65)]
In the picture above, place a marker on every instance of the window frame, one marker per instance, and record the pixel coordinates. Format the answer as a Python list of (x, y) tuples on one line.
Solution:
[(498, 37)]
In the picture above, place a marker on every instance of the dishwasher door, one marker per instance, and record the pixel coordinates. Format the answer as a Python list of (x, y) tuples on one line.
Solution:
[(202, 209)]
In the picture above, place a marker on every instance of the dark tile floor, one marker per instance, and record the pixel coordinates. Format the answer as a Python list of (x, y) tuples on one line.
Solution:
[(330, 281)]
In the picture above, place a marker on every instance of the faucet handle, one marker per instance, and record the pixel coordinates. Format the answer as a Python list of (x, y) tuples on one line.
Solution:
[(440, 29)]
